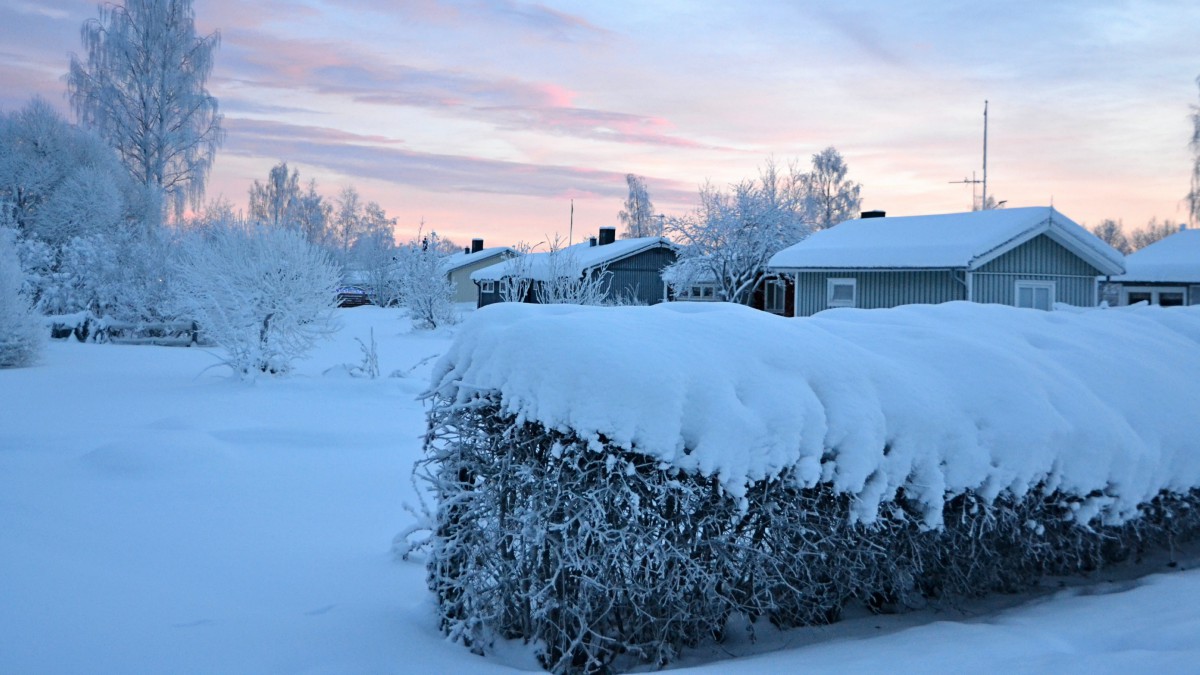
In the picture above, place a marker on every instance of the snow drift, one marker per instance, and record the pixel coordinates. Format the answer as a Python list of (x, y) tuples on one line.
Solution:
[(937, 399)]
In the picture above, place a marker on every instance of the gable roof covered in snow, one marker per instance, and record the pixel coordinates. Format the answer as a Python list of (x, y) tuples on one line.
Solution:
[(464, 259), (1173, 259), (944, 241), (576, 259)]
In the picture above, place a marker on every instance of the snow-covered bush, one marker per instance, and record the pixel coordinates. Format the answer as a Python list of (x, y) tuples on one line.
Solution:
[(265, 295), (424, 286), (124, 274), (21, 332), (719, 463)]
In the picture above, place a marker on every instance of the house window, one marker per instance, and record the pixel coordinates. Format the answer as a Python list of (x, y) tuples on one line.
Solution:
[(775, 300), (841, 292), (1035, 294), (487, 287), (1166, 296)]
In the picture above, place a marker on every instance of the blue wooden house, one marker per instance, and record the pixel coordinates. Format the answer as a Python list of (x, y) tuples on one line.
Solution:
[(1165, 273), (629, 270), (1025, 257)]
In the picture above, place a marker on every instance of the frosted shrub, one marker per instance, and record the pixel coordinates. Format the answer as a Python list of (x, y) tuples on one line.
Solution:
[(264, 295), (21, 333), (617, 484), (607, 558), (123, 274)]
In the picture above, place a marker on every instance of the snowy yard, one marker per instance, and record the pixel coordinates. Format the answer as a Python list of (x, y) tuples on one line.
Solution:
[(160, 517)]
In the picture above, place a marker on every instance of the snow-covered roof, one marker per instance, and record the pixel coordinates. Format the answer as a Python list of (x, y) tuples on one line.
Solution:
[(571, 260), (1173, 259), (464, 259), (944, 241)]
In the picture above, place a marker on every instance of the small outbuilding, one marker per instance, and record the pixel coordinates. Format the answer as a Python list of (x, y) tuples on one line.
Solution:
[(626, 270), (460, 266), (1165, 273), (1026, 257)]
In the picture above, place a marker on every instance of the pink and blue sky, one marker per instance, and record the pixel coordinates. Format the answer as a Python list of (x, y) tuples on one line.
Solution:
[(486, 118)]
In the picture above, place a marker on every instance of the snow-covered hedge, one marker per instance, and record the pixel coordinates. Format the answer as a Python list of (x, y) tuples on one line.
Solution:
[(618, 483)]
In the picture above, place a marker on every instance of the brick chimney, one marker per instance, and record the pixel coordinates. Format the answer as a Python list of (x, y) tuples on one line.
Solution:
[(476, 245), (607, 235)]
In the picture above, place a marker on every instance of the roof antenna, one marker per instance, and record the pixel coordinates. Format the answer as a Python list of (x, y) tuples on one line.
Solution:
[(982, 204), (571, 230), (973, 181)]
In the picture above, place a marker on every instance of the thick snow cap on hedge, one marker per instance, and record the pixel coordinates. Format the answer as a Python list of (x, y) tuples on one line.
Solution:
[(937, 399)]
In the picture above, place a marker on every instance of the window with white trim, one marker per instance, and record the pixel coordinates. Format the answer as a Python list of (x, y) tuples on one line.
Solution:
[(1165, 296), (1035, 294), (841, 292), (775, 296), (488, 286)]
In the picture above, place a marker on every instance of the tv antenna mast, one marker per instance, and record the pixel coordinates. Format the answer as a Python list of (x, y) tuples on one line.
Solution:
[(974, 181)]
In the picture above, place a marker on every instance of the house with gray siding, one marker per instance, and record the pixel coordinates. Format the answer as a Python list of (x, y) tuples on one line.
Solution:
[(1165, 273), (630, 269), (1025, 257), (460, 266)]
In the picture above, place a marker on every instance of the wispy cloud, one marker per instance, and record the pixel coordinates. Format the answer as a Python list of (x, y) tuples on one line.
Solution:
[(509, 103), (369, 157), (533, 19)]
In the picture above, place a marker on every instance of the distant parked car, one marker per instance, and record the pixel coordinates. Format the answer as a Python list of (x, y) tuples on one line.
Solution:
[(352, 296)]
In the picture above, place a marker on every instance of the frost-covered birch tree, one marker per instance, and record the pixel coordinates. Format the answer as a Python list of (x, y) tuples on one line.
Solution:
[(273, 202), (21, 332), (425, 287), (731, 236), (141, 86), (832, 198), (638, 212)]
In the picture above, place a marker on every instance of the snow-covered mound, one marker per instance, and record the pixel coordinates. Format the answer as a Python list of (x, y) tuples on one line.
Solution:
[(936, 399)]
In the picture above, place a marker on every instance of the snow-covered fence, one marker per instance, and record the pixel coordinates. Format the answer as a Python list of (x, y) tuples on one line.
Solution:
[(87, 327), (616, 484)]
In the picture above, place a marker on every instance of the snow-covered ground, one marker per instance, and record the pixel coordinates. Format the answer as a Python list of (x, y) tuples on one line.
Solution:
[(156, 516)]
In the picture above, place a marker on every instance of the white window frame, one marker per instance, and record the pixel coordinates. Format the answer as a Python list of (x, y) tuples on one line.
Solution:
[(1033, 285), (833, 282), (1155, 292), (775, 296), (488, 286)]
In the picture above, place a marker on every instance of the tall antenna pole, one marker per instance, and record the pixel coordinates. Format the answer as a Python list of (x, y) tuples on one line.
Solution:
[(571, 231), (984, 205)]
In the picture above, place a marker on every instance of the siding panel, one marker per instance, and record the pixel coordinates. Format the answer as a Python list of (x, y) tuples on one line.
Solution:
[(1040, 259), (880, 289)]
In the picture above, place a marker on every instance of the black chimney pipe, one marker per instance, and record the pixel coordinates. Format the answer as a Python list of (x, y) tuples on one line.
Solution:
[(608, 235), (874, 214), (476, 245)]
